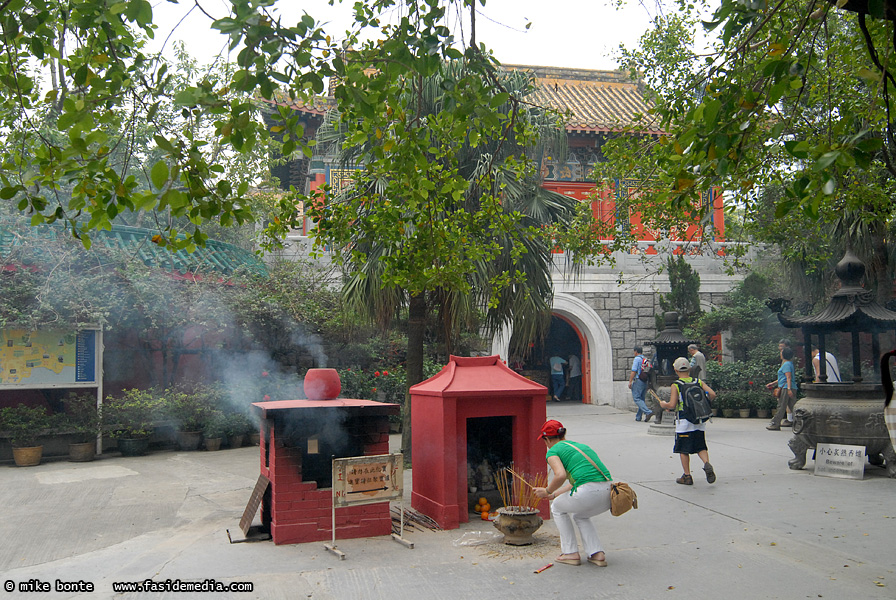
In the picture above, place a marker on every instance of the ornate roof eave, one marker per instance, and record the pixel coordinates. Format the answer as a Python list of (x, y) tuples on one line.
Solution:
[(671, 335), (852, 307), (670, 338), (583, 128)]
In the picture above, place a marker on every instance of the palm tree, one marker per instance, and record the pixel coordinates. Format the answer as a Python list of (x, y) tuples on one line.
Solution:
[(510, 283)]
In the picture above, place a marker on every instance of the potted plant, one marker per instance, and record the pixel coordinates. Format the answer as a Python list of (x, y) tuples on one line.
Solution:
[(23, 426), (765, 404), (726, 402), (189, 410), (214, 431), (131, 419), (236, 426), (83, 420), (744, 403)]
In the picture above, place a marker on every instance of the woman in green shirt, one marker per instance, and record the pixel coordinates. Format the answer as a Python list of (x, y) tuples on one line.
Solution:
[(578, 490)]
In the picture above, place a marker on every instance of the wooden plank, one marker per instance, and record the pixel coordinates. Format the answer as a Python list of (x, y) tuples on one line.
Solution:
[(254, 503)]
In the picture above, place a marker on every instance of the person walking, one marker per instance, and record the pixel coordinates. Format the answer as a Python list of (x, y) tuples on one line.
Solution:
[(574, 378), (785, 390), (639, 387), (698, 362), (831, 368), (690, 438), (578, 490), (558, 379)]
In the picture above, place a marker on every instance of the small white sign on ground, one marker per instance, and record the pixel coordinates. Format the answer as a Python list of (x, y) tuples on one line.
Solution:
[(840, 460)]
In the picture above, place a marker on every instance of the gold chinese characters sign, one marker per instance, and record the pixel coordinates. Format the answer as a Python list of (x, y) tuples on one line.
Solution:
[(367, 479)]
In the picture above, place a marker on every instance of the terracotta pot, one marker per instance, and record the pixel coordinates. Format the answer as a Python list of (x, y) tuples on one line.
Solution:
[(213, 444), (27, 457), (255, 438), (322, 384), (189, 440), (82, 452), (518, 524), (133, 446), (236, 441), (727, 412), (744, 413), (763, 413)]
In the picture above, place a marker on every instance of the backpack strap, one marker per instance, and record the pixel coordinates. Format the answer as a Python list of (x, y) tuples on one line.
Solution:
[(599, 470)]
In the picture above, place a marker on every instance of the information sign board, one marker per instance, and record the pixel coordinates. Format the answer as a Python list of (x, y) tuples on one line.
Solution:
[(840, 460), (367, 479), (49, 358)]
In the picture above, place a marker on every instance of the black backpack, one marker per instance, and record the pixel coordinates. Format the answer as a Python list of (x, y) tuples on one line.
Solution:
[(695, 405)]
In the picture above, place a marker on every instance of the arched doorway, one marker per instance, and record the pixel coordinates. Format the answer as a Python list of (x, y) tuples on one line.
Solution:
[(565, 340), (594, 344)]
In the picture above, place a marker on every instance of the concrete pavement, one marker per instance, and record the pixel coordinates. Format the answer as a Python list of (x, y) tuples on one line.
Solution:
[(761, 531)]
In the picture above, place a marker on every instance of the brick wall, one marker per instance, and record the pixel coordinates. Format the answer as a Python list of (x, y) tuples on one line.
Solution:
[(296, 511)]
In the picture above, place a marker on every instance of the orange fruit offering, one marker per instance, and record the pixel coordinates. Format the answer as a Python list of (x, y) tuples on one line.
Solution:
[(486, 507), (477, 508), (484, 515), (483, 500)]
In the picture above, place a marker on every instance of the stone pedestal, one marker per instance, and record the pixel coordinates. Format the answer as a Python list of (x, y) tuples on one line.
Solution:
[(842, 413), (663, 422)]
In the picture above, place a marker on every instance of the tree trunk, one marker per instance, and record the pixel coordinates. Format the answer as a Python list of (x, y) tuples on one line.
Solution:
[(416, 330), (878, 267)]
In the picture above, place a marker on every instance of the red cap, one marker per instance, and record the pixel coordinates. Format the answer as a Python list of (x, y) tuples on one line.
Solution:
[(550, 428)]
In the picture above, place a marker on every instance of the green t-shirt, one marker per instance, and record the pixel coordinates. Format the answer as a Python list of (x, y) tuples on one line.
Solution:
[(577, 466)]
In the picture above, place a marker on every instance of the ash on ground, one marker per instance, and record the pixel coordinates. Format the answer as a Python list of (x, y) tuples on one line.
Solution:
[(545, 546)]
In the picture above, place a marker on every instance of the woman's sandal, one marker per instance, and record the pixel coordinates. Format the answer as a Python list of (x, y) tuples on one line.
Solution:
[(599, 563), (568, 561)]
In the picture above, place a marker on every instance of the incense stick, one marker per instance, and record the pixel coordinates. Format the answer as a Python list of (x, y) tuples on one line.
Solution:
[(513, 494)]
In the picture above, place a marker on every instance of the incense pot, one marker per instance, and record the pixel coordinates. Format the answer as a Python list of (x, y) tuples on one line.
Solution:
[(518, 523)]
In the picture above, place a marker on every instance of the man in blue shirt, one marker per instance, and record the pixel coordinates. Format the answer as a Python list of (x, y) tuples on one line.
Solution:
[(558, 378), (639, 387)]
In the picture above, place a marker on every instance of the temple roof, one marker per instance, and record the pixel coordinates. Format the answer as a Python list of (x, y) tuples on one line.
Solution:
[(598, 101), (477, 376), (219, 257)]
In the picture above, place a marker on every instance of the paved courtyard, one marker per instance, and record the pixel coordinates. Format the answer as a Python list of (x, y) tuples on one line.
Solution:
[(761, 531)]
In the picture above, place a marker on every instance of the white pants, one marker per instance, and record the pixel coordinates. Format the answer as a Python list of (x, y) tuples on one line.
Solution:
[(589, 500)]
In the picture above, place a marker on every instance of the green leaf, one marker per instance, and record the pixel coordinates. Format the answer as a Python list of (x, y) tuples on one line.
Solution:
[(711, 113), (159, 174), (827, 159)]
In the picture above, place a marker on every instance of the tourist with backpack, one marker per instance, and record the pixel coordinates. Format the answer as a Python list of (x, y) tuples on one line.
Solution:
[(690, 398), (637, 383)]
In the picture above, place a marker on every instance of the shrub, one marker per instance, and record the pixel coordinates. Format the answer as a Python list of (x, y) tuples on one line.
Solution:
[(189, 409), (216, 425), (82, 417), (133, 415), (25, 424), (236, 423)]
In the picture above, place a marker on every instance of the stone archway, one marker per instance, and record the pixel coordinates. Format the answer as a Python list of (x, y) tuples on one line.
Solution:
[(597, 354)]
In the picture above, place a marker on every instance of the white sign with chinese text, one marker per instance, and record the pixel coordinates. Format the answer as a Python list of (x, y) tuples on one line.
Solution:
[(840, 460), (367, 479)]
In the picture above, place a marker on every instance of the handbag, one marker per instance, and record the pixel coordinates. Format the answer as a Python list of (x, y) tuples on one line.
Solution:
[(622, 497)]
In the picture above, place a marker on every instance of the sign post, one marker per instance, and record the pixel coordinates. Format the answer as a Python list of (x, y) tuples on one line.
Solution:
[(366, 480)]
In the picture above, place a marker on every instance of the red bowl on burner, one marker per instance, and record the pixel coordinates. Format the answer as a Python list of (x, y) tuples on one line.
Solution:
[(322, 384)]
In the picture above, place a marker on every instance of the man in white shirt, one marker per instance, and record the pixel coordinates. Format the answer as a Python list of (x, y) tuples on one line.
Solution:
[(574, 378), (697, 363), (831, 368)]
